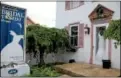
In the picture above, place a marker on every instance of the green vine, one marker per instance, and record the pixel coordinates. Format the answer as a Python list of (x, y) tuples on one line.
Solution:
[(113, 31)]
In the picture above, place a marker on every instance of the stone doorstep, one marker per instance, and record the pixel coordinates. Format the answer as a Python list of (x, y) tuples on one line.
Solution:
[(70, 73)]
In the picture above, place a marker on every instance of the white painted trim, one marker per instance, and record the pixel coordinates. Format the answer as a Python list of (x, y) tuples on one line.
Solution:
[(100, 25), (73, 25)]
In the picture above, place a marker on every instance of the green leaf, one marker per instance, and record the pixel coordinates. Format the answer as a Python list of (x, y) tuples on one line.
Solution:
[(113, 30), (50, 38)]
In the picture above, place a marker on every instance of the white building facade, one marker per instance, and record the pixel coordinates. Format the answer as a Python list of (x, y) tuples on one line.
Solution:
[(78, 16)]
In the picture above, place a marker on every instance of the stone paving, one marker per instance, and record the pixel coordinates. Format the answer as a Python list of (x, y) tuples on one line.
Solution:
[(88, 70)]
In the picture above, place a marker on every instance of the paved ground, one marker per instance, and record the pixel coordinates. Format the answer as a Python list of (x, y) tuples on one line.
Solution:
[(65, 76), (82, 69)]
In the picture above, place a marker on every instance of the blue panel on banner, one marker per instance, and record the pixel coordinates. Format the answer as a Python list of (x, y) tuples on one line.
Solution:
[(12, 32)]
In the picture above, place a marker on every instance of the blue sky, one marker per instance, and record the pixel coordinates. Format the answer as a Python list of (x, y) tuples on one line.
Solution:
[(40, 12)]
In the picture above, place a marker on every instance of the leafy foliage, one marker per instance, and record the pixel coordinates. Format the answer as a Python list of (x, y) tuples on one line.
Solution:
[(43, 71), (113, 31), (43, 39)]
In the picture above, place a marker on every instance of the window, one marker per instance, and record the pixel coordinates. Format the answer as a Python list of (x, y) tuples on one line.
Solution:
[(73, 4), (74, 35)]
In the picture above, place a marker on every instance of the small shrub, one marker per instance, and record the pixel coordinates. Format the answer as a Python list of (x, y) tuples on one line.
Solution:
[(43, 71)]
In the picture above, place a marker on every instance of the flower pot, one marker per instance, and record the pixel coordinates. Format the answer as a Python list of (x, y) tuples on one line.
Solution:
[(106, 64), (71, 61), (119, 76)]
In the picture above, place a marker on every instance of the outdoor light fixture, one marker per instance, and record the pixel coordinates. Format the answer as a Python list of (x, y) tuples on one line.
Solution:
[(86, 29)]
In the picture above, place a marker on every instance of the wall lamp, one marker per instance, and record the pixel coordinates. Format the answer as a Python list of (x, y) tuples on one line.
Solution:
[(87, 29)]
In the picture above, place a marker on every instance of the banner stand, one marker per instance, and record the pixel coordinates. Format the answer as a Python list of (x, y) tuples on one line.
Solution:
[(12, 41)]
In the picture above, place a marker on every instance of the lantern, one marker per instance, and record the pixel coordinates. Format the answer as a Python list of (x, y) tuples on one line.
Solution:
[(87, 29)]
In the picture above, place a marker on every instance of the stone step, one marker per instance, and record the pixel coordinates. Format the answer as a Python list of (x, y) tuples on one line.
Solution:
[(86, 70), (67, 72)]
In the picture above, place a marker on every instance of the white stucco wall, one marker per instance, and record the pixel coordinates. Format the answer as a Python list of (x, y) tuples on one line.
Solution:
[(115, 57), (80, 14), (63, 18)]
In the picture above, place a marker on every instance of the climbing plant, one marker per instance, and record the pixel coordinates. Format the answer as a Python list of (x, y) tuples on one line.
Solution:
[(45, 40), (113, 31)]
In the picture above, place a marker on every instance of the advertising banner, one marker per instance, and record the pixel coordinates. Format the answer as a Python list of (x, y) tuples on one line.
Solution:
[(12, 34)]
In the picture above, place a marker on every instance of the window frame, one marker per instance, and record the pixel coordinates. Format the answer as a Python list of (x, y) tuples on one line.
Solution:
[(70, 33), (69, 7)]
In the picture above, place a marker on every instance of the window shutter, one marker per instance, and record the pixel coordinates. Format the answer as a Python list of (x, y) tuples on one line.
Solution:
[(81, 36), (67, 5), (67, 28)]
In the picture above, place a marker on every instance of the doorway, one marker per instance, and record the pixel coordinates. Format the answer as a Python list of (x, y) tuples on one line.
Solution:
[(100, 45)]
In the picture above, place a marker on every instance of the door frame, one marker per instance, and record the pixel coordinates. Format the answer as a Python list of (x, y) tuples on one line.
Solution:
[(96, 45), (95, 42)]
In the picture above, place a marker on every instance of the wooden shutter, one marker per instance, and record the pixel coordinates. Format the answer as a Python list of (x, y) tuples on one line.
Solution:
[(67, 28), (67, 5), (81, 36)]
